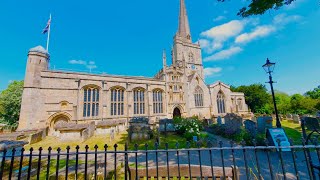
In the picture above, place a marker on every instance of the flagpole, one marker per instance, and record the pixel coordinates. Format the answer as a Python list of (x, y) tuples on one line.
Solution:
[(48, 38)]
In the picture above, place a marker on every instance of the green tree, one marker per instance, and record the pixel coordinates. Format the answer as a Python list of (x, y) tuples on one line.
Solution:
[(258, 7), (256, 96), (314, 94), (10, 102), (283, 102)]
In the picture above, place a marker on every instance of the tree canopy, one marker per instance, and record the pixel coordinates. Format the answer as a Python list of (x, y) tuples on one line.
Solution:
[(260, 100), (258, 7), (10, 102), (256, 96)]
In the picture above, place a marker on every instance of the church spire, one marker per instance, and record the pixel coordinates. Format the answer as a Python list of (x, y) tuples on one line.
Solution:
[(184, 28)]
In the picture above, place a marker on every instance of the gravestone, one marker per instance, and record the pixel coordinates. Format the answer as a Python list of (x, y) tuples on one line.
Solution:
[(251, 127), (290, 118), (254, 119), (296, 119), (263, 123), (233, 123), (311, 123), (219, 120), (166, 125), (139, 129), (35, 137)]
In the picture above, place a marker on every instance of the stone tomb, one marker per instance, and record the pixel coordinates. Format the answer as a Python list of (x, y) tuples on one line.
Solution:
[(289, 117), (264, 122), (139, 129), (109, 126), (166, 125), (233, 122), (75, 132), (251, 127), (296, 119)]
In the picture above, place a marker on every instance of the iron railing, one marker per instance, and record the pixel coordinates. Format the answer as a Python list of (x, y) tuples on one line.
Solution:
[(227, 161)]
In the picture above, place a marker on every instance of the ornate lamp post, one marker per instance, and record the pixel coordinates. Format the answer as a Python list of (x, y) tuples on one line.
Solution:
[(269, 67)]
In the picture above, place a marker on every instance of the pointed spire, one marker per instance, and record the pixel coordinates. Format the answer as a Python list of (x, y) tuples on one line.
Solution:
[(184, 28), (164, 58)]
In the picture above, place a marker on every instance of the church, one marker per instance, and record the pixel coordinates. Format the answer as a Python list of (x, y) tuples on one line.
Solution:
[(53, 97)]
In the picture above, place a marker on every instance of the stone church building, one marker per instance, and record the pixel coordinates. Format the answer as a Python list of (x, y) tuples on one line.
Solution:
[(56, 97)]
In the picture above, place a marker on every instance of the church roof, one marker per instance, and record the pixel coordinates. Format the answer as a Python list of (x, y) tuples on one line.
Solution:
[(39, 49)]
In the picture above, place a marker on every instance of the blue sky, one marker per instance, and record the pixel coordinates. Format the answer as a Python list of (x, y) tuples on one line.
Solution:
[(127, 38)]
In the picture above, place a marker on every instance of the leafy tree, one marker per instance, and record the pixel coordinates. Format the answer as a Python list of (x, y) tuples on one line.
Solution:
[(256, 96), (314, 94), (283, 102), (10, 102), (258, 7)]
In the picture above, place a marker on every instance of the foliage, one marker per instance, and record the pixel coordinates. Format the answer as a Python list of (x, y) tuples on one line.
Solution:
[(188, 127), (261, 102), (241, 135), (258, 7), (314, 94), (256, 96), (10, 102)]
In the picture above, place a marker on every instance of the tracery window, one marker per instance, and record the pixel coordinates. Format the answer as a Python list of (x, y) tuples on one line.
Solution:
[(117, 101), (91, 102), (221, 103), (198, 97), (157, 101), (138, 99)]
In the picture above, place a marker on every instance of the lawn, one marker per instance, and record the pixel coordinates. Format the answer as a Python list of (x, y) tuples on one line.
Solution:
[(101, 140)]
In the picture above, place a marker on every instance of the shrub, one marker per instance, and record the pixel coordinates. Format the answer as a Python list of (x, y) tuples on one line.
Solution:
[(188, 127)]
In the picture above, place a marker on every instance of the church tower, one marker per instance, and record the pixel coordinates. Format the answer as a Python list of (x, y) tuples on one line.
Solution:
[(186, 55), (32, 97)]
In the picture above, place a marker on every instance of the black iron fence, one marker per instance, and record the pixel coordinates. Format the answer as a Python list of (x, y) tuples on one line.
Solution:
[(227, 161)]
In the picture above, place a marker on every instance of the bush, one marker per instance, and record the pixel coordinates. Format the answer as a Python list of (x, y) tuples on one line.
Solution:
[(188, 127), (238, 136)]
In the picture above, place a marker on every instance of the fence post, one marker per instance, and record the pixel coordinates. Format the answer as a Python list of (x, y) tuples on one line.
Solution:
[(12, 163), (77, 161), (95, 161), (115, 161), (30, 164), (126, 168), (67, 163), (58, 163), (3, 162), (243, 143), (48, 164), (233, 159), (281, 159), (39, 163), (222, 160), (105, 161), (268, 157)]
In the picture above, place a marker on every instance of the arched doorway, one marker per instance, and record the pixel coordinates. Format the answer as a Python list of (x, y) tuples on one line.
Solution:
[(176, 113), (56, 120)]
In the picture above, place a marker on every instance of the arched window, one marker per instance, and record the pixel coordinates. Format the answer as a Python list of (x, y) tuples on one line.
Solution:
[(117, 101), (157, 101), (138, 99), (239, 104), (198, 97), (91, 102), (221, 103)]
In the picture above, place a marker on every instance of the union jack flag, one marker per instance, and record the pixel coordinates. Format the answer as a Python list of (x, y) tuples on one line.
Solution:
[(46, 29)]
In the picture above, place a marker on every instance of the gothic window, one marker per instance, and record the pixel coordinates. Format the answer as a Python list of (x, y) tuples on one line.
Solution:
[(91, 102), (239, 104), (117, 101), (138, 99), (191, 58), (221, 103), (198, 97), (157, 101)]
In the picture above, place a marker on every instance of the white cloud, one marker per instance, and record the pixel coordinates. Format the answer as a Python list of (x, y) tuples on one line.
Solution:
[(89, 65), (77, 62), (260, 31), (212, 71), (294, 4), (224, 54), (283, 19), (224, 31), (219, 18)]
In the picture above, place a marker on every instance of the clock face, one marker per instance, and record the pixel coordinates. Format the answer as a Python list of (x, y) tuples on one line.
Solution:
[(193, 67)]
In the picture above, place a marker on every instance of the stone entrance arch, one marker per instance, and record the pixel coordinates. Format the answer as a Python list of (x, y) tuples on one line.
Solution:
[(58, 119), (176, 112)]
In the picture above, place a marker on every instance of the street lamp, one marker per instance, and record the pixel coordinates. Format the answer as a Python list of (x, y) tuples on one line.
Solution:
[(269, 67)]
